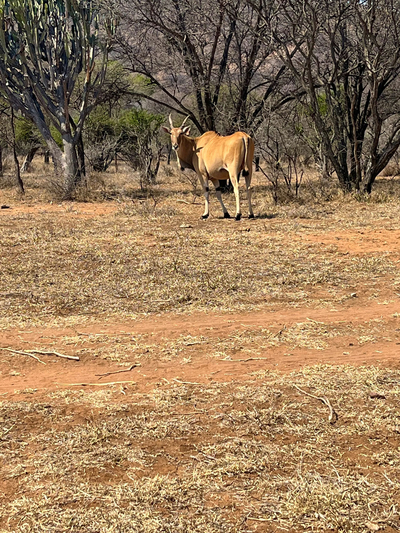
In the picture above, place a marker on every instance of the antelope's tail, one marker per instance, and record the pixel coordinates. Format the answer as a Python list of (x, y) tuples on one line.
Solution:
[(246, 151)]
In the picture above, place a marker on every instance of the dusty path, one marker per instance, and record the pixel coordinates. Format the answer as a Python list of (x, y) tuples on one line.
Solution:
[(199, 337)]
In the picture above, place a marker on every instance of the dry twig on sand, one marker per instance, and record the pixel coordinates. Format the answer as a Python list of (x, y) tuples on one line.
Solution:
[(95, 384), (40, 352), (73, 357), (119, 371), (245, 360), (333, 416), (23, 353)]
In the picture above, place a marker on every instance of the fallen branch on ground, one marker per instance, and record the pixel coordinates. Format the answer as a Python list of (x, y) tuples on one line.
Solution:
[(73, 357), (94, 384), (245, 360), (333, 416), (24, 353), (119, 371)]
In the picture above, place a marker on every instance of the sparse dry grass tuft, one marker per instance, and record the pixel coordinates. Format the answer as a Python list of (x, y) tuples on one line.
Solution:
[(137, 257), (218, 457), (254, 454)]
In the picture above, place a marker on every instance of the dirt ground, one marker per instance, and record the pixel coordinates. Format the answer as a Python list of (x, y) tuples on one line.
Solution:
[(214, 328), (269, 404)]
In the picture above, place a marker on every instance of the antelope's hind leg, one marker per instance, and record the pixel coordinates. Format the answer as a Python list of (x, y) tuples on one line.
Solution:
[(218, 189), (249, 193), (235, 182)]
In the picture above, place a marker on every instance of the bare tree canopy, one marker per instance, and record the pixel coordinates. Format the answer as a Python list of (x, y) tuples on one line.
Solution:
[(255, 65), (203, 58), (346, 70)]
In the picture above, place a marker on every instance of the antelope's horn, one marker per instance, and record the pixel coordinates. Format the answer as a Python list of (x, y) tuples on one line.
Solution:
[(170, 120), (183, 123)]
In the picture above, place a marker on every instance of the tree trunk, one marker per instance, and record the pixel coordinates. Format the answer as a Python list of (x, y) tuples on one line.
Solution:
[(65, 164), (20, 183), (26, 165), (56, 155), (72, 173), (80, 152), (378, 163), (1, 161)]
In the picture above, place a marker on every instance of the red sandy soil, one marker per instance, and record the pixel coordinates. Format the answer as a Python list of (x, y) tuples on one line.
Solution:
[(59, 373)]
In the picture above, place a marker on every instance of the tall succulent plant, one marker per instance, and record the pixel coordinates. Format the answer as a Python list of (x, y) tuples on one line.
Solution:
[(44, 46)]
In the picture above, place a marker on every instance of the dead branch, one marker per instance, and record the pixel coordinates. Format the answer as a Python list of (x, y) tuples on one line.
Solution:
[(119, 371), (73, 357), (95, 384), (24, 353), (333, 416), (245, 360)]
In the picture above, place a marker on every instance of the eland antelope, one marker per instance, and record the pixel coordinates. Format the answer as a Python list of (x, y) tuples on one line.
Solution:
[(215, 158)]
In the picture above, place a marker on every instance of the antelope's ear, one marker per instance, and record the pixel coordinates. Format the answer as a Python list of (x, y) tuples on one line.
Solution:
[(166, 129), (186, 130)]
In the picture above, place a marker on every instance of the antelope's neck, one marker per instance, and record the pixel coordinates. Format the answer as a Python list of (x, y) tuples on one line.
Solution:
[(185, 151)]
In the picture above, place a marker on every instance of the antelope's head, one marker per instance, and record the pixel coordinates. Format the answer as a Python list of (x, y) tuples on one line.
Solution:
[(177, 133)]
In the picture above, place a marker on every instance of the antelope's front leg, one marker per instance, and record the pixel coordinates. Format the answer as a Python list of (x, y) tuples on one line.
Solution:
[(218, 189), (206, 191)]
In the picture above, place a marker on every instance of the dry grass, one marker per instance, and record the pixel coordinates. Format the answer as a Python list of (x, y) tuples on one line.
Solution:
[(218, 457), (237, 456), (63, 262)]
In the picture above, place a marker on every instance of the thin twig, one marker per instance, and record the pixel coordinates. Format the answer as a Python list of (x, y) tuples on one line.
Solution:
[(192, 343), (245, 360), (73, 357), (6, 431), (104, 334), (94, 384), (24, 353), (119, 371), (187, 414), (333, 416)]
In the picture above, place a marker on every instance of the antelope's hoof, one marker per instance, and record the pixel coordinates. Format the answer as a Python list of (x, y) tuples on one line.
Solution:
[(204, 217), (252, 215), (227, 215), (238, 216)]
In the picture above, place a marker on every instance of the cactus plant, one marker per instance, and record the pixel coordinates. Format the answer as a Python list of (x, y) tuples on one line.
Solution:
[(44, 46)]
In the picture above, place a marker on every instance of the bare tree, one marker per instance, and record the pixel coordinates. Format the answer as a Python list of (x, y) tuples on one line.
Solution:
[(202, 58), (345, 68)]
